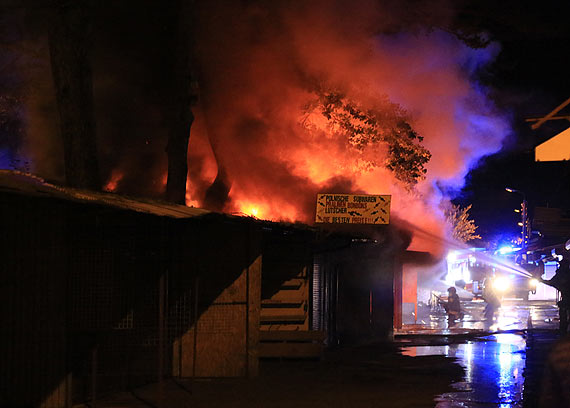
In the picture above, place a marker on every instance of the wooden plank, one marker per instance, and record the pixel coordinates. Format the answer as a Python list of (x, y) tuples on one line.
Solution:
[(550, 115), (551, 118), (282, 318), (289, 335), (290, 350), (284, 311), (293, 296), (221, 342), (281, 304), (295, 282), (285, 326), (254, 310)]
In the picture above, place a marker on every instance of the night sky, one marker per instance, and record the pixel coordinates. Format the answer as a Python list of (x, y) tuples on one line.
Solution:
[(529, 79)]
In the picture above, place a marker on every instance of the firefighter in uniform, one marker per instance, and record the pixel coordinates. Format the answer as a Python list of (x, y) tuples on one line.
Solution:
[(452, 306)]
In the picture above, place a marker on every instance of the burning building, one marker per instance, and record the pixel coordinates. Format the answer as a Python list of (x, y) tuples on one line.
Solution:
[(292, 101), (102, 293)]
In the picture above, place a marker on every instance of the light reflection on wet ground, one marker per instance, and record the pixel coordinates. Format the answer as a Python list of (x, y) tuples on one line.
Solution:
[(493, 371), (512, 315), (494, 364)]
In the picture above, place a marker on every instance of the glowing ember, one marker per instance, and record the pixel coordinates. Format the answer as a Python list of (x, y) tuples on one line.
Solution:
[(191, 203), (114, 180), (253, 211)]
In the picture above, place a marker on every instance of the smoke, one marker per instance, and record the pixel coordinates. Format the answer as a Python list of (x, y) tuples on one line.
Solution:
[(12, 106), (258, 62), (130, 64), (433, 76)]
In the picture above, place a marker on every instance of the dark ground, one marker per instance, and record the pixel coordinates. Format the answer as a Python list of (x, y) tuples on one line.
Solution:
[(376, 375), (372, 376), (539, 343)]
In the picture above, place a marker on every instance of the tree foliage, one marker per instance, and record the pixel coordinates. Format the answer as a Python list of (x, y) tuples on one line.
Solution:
[(363, 127), (463, 228)]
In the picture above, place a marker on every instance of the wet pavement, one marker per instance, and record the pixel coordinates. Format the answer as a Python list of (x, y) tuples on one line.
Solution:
[(493, 353), (512, 315), (492, 369)]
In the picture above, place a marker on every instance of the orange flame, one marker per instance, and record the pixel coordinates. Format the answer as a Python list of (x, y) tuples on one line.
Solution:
[(251, 209), (278, 154), (275, 210), (116, 177)]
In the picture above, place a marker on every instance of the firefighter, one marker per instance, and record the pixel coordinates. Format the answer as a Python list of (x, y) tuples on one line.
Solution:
[(492, 301), (452, 306), (561, 281)]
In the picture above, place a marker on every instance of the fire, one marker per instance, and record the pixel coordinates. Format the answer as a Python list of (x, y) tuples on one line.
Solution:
[(190, 202), (253, 119), (114, 180), (252, 211), (254, 124), (278, 152), (273, 210)]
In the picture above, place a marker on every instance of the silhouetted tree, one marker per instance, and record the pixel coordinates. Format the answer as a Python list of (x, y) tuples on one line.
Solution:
[(70, 44), (183, 95)]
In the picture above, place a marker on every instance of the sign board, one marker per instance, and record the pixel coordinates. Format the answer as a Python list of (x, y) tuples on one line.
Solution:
[(556, 148), (353, 209)]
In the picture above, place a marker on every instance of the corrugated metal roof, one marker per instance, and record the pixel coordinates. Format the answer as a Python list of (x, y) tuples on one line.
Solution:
[(29, 184)]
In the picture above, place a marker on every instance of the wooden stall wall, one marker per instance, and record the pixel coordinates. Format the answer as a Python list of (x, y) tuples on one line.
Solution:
[(288, 308), (116, 260), (286, 330), (93, 299), (224, 342), (33, 309)]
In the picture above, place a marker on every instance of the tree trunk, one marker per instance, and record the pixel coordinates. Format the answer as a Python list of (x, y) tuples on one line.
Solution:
[(69, 44), (216, 196), (182, 116)]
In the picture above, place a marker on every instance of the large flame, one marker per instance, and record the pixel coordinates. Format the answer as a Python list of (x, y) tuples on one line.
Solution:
[(258, 63), (277, 157)]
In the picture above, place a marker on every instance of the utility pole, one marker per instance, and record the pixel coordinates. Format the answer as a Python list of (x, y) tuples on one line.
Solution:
[(524, 216), (524, 224)]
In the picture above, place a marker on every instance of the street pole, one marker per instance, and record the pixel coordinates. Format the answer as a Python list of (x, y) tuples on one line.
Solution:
[(525, 228), (524, 225)]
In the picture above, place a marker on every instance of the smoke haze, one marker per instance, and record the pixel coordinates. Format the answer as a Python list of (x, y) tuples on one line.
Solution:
[(258, 64)]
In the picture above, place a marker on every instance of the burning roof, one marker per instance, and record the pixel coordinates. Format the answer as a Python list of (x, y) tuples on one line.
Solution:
[(28, 184), (259, 144)]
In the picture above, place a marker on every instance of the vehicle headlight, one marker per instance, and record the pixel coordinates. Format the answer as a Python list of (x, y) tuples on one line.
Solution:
[(533, 283), (501, 284)]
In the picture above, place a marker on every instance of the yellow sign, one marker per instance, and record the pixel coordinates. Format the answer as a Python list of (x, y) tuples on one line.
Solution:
[(353, 209)]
